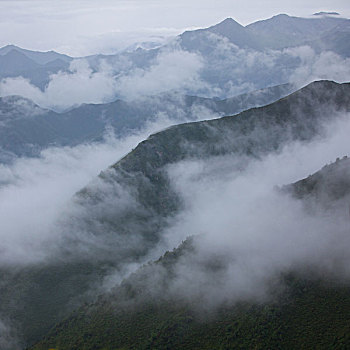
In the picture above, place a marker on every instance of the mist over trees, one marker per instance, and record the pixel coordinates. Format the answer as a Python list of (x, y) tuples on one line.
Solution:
[(189, 194)]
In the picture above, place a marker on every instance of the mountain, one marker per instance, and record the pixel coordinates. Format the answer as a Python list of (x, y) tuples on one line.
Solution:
[(197, 40), (37, 56), (120, 217), (283, 31), (16, 62), (26, 129), (336, 40), (231, 59), (278, 32), (322, 189), (143, 312)]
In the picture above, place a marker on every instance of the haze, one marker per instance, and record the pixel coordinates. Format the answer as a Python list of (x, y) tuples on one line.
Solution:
[(84, 27)]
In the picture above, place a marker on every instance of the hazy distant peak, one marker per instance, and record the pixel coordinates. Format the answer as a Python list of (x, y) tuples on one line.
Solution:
[(236, 33), (228, 21), (323, 13), (8, 48), (227, 25), (39, 57), (281, 15)]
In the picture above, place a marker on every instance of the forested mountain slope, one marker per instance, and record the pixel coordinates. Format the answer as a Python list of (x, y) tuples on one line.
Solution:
[(304, 310), (120, 217)]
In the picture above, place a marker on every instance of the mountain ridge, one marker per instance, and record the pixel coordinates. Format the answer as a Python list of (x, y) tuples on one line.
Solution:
[(145, 301), (111, 233), (89, 121)]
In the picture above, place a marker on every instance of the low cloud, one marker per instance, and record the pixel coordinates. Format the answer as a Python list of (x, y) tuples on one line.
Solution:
[(216, 68), (250, 230), (313, 66), (36, 192), (173, 70), (65, 89)]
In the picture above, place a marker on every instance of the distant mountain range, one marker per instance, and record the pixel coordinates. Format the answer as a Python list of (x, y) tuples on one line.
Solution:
[(283, 31), (37, 56), (120, 217), (26, 129), (236, 59), (278, 32), (32, 65)]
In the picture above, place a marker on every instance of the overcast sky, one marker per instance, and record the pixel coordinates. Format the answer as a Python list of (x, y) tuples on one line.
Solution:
[(81, 27)]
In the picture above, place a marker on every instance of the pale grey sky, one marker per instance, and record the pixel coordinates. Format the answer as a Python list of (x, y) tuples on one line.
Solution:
[(84, 27)]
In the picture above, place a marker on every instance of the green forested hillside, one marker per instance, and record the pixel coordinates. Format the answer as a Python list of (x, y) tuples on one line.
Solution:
[(314, 316), (304, 310), (109, 231)]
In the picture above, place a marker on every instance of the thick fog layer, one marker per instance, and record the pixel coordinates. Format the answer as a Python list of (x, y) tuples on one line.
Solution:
[(34, 192), (249, 229)]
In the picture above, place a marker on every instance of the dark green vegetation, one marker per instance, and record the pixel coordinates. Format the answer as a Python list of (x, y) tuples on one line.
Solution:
[(311, 314), (26, 129), (330, 183), (129, 228), (253, 133), (304, 311)]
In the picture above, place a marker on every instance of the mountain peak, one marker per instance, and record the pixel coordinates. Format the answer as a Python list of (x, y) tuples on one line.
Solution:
[(281, 15), (227, 20), (9, 46), (227, 23)]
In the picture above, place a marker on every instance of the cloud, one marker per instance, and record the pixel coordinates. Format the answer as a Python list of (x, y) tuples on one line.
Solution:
[(326, 65), (65, 89), (173, 70), (251, 231), (36, 192)]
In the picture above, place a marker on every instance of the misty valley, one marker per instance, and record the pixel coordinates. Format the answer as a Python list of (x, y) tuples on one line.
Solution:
[(190, 194)]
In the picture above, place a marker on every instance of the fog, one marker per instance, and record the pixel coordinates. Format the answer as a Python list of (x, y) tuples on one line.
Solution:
[(58, 215), (313, 66), (247, 232), (102, 26), (36, 192), (175, 70)]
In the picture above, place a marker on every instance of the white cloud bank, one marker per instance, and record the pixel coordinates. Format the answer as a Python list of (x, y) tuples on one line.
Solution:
[(313, 66), (227, 71), (172, 70), (251, 230), (35, 192)]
